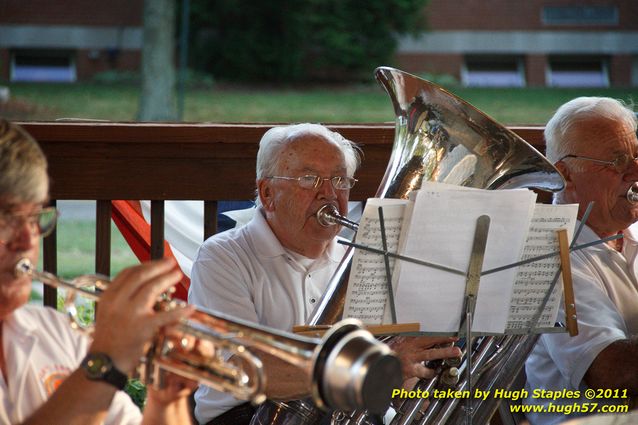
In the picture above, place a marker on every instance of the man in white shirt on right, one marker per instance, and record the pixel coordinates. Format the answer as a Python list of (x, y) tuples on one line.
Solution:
[(592, 141)]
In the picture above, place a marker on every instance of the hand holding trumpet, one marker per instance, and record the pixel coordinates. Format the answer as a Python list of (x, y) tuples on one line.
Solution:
[(191, 343), (126, 321)]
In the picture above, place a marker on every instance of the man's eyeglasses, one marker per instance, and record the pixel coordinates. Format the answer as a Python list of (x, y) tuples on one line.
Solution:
[(620, 164), (40, 223), (315, 182)]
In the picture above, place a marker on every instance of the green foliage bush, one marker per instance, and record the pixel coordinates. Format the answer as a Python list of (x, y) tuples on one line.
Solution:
[(86, 315), (137, 391), (299, 40)]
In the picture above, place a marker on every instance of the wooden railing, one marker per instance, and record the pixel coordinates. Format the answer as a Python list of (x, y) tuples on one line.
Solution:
[(209, 162)]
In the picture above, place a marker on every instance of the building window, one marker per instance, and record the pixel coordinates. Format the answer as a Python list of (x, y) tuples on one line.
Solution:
[(43, 66), (577, 72), (580, 15), (493, 71)]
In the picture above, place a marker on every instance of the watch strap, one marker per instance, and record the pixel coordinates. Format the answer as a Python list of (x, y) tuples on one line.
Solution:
[(116, 377)]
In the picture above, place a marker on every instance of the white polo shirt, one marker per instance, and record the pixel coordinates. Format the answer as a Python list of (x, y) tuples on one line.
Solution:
[(606, 293), (247, 273), (41, 350)]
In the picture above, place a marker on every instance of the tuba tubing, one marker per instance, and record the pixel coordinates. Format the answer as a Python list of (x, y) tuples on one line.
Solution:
[(440, 137), (348, 368)]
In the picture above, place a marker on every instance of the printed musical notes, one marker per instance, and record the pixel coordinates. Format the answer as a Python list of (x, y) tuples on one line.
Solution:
[(437, 226), (367, 296), (533, 280)]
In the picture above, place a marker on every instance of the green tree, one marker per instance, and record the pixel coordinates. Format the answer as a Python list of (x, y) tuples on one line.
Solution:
[(299, 40)]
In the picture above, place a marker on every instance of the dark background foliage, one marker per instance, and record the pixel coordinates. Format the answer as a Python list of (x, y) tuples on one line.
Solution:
[(298, 40)]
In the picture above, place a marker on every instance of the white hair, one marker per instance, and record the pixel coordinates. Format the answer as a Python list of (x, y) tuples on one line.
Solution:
[(560, 136), (560, 140), (275, 140)]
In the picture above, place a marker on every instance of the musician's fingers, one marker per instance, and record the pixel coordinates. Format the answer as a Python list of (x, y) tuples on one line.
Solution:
[(169, 317), (148, 293), (439, 353), (423, 372)]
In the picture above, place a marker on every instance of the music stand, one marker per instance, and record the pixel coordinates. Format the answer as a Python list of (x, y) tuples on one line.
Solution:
[(475, 272)]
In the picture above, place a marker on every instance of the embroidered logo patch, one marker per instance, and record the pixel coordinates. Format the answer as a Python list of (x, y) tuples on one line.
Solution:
[(52, 376)]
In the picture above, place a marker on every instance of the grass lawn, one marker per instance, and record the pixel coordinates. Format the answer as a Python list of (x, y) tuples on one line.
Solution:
[(76, 249), (119, 102)]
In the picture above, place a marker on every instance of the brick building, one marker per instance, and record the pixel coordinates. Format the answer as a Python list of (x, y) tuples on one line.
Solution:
[(68, 40), (528, 42), (480, 42)]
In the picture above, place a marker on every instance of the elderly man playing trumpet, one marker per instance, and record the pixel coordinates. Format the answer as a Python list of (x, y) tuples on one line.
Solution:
[(44, 379), (275, 269), (592, 141)]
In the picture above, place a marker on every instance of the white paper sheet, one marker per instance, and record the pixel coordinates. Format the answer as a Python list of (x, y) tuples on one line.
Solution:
[(441, 231)]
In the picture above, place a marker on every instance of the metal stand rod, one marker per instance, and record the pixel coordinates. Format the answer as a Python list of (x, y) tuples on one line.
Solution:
[(469, 409), (472, 283)]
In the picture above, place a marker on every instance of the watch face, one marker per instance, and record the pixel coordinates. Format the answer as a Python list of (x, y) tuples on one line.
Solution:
[(96, 365), (99, 367)]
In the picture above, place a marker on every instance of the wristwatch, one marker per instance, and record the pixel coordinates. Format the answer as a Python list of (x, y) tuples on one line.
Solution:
[(100, 367)]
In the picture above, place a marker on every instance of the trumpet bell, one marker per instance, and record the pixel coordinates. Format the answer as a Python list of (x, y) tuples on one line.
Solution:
[(358, 370)]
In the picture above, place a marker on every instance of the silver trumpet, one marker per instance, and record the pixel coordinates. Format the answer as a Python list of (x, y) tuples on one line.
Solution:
[(348, 368)]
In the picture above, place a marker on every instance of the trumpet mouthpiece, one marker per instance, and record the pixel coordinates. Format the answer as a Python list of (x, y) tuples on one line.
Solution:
[(632, 193)]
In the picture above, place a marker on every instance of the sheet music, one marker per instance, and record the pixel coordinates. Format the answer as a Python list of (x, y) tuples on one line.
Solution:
[(534, 279), (442, 232), (367, 295)]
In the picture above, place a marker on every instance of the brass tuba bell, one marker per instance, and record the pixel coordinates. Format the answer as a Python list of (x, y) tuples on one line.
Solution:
[(440, 137)]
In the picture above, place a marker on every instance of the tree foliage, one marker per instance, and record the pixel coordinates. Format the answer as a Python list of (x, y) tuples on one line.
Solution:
[(298, 40)]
